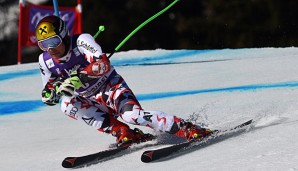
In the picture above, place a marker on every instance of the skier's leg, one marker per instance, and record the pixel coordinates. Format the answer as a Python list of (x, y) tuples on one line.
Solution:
[(99, 116), (163, 122), (122, 100), (83, 109)]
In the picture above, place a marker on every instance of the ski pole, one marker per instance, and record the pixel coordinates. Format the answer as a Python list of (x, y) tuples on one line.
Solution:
[(100, 29), (142, 25), (56, 8)]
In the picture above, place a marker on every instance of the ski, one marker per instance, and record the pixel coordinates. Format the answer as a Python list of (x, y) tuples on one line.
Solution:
[(162, 153), (81, 161), (73, 162)]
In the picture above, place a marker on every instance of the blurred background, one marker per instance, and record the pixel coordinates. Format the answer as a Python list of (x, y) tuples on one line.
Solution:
[(190, 24)]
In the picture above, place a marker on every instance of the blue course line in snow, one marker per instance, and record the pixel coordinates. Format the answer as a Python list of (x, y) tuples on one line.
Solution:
[(18, 74), (154, 96), (170, 56), (15, 107)]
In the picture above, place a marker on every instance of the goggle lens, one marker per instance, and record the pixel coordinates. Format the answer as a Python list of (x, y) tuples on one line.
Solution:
[(51, 42)]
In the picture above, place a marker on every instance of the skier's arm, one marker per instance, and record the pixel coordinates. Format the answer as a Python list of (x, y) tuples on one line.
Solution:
[(48, 94), (99, 66), (87, 46), (99, 63)]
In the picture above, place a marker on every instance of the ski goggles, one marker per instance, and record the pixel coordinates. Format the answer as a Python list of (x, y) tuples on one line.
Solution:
[(51, 42)]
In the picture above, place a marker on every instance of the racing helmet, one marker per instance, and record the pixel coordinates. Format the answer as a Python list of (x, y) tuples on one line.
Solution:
[(51, 31)]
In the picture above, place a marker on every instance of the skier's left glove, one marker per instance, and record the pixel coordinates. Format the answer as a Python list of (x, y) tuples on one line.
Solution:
[(49, 96), (69, 86)]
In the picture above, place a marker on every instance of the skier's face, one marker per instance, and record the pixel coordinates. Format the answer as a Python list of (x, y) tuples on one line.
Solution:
[(57, 52)]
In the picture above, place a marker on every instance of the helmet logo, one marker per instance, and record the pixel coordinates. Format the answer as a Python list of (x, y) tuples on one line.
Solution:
[(43, 31)]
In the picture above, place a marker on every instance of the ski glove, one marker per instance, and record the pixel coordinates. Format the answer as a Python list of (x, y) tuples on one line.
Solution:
[(68, 87), (49, 96)]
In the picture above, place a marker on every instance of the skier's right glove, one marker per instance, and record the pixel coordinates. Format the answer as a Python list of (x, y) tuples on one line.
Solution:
[(49, 96)]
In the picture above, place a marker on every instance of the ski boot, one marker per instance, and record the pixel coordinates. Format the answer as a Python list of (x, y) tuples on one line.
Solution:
[(126, 136), (192, 132)]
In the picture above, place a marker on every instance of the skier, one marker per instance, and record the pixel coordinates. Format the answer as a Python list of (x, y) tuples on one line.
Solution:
[(76, 71)]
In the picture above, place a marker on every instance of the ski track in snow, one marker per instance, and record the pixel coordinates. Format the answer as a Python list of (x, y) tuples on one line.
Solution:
[(217, 88)]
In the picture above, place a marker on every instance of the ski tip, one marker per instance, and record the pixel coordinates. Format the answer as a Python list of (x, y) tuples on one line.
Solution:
[(147, 156), (69, 162), (249, 122)]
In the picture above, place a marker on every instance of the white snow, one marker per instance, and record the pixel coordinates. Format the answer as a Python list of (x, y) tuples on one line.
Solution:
[(222, 87)]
